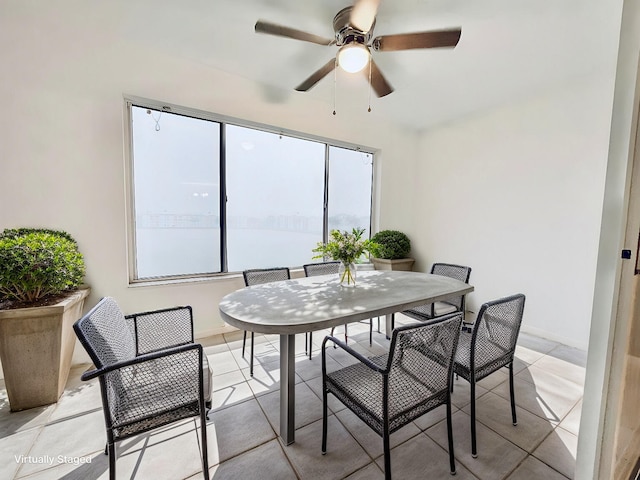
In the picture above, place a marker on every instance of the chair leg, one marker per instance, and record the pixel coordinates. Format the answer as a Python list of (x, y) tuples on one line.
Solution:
[(111, 448), (387, 456), (346, 334), (513, 399), (244, 342), (452, 461), (251, 359), (324, 418), (310, 344), (371, 331), (474, 447), (205, 456)]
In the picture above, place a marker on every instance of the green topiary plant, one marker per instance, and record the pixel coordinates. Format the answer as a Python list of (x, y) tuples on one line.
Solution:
[(38, 263), (391, 245)]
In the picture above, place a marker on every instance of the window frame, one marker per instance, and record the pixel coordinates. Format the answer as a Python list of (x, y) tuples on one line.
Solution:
[(130, 207)]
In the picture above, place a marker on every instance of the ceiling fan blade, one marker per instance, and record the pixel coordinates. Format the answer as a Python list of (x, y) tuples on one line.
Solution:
[(317, 76), (378, 82), (407, 41), (280, 31), (364, 13)]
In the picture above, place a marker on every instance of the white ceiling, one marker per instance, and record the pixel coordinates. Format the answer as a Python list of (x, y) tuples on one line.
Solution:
[(509, 49)]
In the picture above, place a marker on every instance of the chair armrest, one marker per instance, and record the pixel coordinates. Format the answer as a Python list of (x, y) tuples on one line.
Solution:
[(160, 329), (147, 357), (158, 384), (353, 353)]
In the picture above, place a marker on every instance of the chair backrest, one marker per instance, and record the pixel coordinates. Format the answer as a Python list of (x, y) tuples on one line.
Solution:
[(322, 268), (160, 329), (495, 332), (105, 334), (459, 272), (257, 276), (422, 354)]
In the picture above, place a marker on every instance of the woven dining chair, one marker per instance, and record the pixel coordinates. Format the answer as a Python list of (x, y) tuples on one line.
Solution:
[(312, 270), (489, 346), (391, 390), (328, 268), (257, 276), (433, 310), (151, 372)]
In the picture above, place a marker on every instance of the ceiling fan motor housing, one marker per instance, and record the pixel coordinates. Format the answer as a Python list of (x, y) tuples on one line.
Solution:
[(346, 33)]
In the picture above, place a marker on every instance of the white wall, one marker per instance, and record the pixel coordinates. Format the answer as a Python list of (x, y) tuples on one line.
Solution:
[(64, 73), (516, 194)]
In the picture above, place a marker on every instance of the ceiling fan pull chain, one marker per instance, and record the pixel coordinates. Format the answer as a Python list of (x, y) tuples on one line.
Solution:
[(335, 82), (369, 110)]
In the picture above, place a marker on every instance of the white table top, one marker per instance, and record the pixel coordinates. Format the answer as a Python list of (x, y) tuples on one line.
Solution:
[(313, 303)]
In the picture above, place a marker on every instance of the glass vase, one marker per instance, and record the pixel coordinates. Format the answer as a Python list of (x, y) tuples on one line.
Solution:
[(347, 274)]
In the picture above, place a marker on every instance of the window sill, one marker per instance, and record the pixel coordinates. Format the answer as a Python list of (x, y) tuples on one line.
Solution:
[(296, 272), (157, 282)]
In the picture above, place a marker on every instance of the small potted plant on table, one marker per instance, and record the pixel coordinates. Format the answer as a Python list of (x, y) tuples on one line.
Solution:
[(391, 251), (40, 274), (347, 248)]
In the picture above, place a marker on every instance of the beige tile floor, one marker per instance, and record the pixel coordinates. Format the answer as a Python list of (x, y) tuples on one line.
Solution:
[(68, 438)]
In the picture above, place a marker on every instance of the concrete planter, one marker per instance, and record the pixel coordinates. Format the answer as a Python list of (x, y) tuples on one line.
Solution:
[(36, 346), (402, 264)]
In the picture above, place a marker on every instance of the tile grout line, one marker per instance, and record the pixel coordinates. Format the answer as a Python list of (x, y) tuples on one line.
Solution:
[(35, 439), (276, 435), (298, 475)]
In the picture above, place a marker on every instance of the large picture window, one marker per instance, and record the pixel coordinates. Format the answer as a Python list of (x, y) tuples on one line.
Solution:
[(210, 196)]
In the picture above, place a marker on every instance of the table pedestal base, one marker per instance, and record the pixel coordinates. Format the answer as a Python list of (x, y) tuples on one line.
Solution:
[(287, 388), (388, 328)]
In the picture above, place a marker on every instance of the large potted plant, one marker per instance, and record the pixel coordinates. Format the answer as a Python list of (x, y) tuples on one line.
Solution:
[(391, 251), (40, 274)]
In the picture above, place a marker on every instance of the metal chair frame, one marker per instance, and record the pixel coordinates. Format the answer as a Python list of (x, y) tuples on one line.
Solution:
[(257, 276), (427, 311), (328, 268), (128, 354), (410, 359), (491, 347)]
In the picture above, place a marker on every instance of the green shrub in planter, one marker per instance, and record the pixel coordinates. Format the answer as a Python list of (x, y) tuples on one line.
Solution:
[(37, 263), (391, 245)]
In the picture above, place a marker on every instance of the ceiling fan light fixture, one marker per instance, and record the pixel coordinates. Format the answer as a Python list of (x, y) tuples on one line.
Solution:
[(353, 57)]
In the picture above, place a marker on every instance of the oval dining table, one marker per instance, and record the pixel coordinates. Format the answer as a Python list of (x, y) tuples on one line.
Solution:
[(314, 303)]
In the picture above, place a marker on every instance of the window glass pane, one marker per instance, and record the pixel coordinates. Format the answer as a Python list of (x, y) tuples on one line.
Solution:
[(350, 182), (275, 190), (275, 195), (176, 194)]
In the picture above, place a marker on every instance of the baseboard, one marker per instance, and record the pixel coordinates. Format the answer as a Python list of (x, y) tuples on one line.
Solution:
[(570, 342), (216, 331)]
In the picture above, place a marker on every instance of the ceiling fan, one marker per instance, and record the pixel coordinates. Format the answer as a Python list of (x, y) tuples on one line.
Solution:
[(353, 28)]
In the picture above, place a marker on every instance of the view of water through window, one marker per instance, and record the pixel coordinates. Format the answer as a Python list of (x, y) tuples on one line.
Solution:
[(275, 195)]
